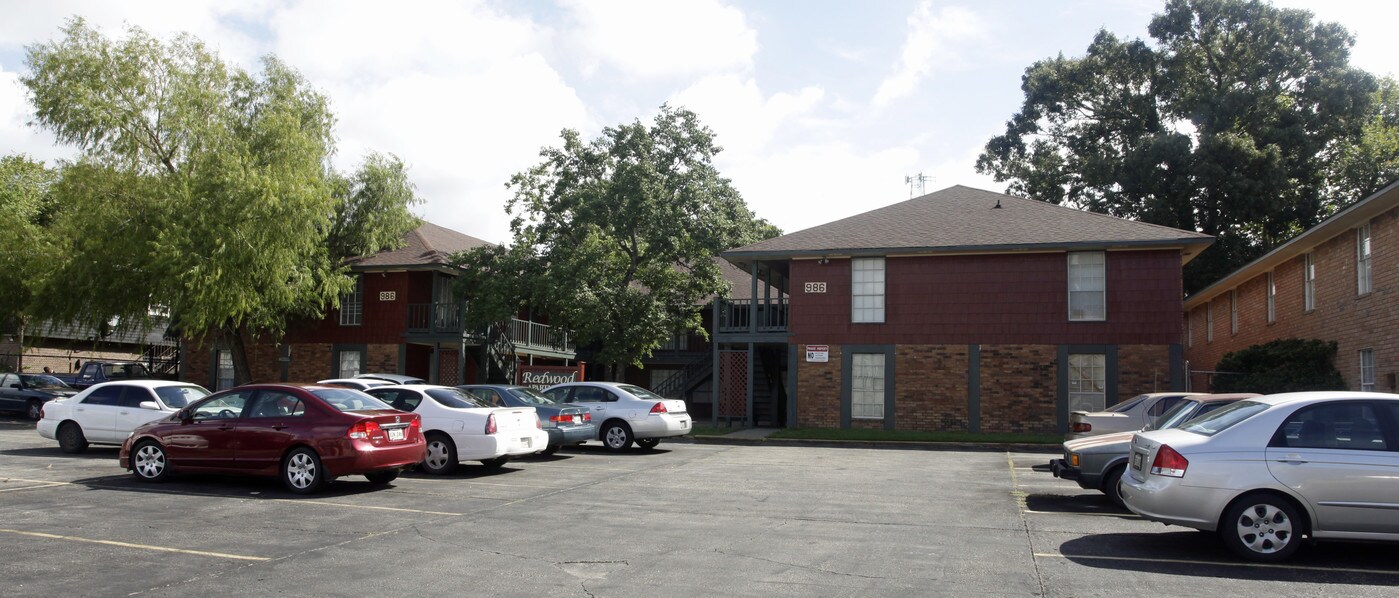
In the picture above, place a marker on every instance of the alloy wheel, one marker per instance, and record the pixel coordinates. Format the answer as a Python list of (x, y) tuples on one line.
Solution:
[(150, 461), (301, 470)]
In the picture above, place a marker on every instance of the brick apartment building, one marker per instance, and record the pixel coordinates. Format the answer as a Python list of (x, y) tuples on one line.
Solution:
[(402, 318), (1337, 281), (959, 310)]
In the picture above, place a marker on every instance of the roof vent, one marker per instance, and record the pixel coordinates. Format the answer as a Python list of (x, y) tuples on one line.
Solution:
[(998, 205)]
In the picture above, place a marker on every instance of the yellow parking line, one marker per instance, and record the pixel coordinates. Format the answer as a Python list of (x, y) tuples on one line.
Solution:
[(221, 555), (240, 497), (49, 485), (1122, 515), (1217, 563), (56, 482)]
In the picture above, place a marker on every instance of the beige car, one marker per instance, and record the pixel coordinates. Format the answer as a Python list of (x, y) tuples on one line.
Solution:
[(1128, 416)]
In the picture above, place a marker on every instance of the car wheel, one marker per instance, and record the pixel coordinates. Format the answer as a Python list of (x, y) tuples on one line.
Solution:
[(302, 472), (616, 437), (33, 409), (441, 456), (71, 438), (382, 477), (1262, 527), (149, 463), (1112, 486), (495, 463), (551, 449), (648, 443)]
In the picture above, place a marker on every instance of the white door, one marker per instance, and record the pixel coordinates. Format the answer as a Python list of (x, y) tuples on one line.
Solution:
[(1336, 457), (97, 414), (130, 415)]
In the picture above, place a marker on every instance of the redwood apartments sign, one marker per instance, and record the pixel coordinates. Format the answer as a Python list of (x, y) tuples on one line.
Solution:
[(540, 377)]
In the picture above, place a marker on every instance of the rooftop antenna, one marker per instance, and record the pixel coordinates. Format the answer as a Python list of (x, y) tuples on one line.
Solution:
[(919, 182)]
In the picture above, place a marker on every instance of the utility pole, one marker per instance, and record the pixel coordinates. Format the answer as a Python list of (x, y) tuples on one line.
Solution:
[(918, 182)]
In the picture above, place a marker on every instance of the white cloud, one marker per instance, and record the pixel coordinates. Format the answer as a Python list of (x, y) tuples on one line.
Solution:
[(215, 24), (744, 120), (672, 39), (935, 41)]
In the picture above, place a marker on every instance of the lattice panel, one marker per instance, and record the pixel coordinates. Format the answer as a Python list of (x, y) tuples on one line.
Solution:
[(447, 372), (733, 384)]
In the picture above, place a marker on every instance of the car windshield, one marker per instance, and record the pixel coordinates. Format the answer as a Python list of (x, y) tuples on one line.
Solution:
[(1173, 417), (532, 396), (349, 399), (128, 371), (1127, 405), (640, 392), (42, 381), (1217, 421), (180, 396), (455, 398)]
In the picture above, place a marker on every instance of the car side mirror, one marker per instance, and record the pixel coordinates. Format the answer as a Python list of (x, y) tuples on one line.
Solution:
[(150, 405), (184, 416), (15, 385)]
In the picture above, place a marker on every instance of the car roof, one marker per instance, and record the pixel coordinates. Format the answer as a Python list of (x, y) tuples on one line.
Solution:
[(418, 387), (1322, 395), (1226, 396), (398, 378), (146, 383)]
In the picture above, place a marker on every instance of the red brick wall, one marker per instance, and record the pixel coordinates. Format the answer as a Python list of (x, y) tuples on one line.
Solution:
[(931, 390), (383, 321), (1019, 384), (818, 390), (309, 362), (992, 299), (1142, 369), (1356, 322)]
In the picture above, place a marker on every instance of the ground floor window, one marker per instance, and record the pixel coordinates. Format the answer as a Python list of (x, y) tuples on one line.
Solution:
[(1367, 370), (224, 376), (1087, 379), (867, 386), (350, 363)]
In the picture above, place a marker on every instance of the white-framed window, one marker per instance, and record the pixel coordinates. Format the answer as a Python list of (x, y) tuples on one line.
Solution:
[(1234, 311), (1088, 285), (1309, 282), (1087, 380), (351, 364), (1272, 299), (1367, 370), (867, 289), (223, 379), (1362, 259), (1209, 322), (867, 386), (1189, 329), (352, 304)]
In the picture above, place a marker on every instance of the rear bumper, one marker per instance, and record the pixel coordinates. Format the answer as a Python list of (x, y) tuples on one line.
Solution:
[(559, 436), (48, 428), (662, 425), (1169, 501), (366, 458)]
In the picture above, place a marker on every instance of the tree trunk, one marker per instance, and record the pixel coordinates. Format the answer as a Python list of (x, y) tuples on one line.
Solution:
[(242, 372)]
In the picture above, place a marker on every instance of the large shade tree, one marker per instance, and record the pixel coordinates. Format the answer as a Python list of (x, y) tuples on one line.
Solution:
[(616, 239), (200, 189), (27, 247), (1225, 125)]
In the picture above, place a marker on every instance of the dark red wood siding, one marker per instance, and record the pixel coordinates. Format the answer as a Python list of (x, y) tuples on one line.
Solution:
[(383, 321), (992, 299)]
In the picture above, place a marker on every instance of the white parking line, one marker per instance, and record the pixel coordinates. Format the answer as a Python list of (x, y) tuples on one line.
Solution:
[(222, 555), (49, 485), (1154, 560), (1122, 515), (354, 506)]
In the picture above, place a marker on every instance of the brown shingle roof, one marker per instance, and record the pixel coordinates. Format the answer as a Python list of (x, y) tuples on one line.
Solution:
[(965, 219), (427, 245)]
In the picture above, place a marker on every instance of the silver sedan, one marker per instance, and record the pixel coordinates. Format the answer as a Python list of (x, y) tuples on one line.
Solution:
[(1269, 473)]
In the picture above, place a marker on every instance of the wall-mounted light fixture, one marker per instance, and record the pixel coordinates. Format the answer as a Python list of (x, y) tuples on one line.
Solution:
[(823, 260)]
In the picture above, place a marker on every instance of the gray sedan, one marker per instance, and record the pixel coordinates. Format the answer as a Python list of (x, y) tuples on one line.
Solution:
[(1270, 473), (566, 424), (27, 393), (1097, 462)]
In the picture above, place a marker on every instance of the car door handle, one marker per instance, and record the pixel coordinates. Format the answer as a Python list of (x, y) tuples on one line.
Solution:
[(279, 427), (124, 412), (600, 408), (226, 427), (1292, 459)]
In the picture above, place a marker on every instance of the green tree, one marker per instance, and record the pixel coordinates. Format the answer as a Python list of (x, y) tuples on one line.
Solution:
[(1225, 125), (1284, 365), (616, 239), (1367, 166), (200, 188), (26, 246)]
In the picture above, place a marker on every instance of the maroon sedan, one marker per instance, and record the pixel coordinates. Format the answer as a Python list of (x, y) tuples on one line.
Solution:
[(306, 434)]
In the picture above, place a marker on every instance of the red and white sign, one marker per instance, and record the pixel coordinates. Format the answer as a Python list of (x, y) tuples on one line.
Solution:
[(818, 353), (540, 377)]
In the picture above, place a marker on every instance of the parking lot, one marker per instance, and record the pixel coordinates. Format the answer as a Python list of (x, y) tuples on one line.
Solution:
[(686, 519)]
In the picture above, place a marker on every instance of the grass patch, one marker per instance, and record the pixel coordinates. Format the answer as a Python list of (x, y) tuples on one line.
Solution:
[(914, 436)]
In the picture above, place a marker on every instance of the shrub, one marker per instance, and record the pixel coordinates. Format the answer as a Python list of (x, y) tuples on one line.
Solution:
[(1285, 365)]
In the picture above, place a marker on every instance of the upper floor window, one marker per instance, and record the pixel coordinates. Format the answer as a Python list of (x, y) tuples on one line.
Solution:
[(867, 289), (1087, 285), (1309, 282), (1234, 311), (352, 305), (1362, 259), (1272, 299)]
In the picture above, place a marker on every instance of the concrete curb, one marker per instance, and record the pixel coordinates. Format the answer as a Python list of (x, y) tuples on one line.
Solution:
[(903, 445)]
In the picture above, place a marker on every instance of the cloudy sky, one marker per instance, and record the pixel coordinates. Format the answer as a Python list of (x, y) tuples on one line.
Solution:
[(823, 107)]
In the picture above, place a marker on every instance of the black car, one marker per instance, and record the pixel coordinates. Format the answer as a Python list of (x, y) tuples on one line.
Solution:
[(27, 393), (566, 424)]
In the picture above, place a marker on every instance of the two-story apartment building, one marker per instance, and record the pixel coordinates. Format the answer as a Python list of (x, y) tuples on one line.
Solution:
[(1335, 281), (404, 318), (958, 310)]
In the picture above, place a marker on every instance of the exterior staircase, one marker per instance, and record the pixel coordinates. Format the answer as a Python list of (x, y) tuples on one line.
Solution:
[(500, 354)]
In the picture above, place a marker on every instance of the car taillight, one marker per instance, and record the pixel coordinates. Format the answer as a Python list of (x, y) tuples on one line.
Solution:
[(587, 417), (416, 426), (490, 424), (659, 408), (41, 413), (1079, 427), (365, 429), (1168, 462), (539, 425)]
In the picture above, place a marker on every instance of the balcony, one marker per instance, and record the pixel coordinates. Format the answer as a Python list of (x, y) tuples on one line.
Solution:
[(435, 318), (533, 335), (753, 316), (446, 319)]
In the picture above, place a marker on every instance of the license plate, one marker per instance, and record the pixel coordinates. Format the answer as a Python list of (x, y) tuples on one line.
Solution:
[(577, 419), (1136, 461), (685, 424), (525, 442), (397, 434)]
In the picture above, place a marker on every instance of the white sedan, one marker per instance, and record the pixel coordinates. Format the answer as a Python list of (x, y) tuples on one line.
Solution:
[(106, 413), (1128, 416), (1270, 472), (458, 427), (625, 412)]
